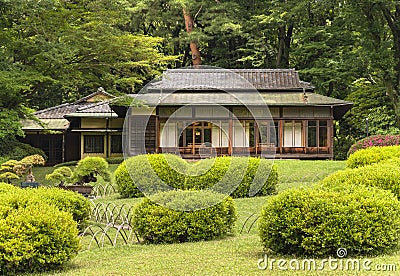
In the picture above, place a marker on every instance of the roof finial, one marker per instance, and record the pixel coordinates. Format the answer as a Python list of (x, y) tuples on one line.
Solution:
[(305, 96), (101, 90)]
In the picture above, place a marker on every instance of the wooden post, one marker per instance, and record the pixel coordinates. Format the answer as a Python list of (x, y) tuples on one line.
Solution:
[(280, 135), (230, 137)]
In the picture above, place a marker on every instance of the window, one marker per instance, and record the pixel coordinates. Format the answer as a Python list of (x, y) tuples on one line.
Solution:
[(323, 134), (269, 133), (317, 134), (94, 144), (292, 134), (116, 143), (312, 134)]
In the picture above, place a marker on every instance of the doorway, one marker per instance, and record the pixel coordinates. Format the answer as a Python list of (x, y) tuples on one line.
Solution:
[(196, 135)]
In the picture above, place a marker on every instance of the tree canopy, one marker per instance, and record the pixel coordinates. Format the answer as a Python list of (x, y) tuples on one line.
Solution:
[(54, 51)]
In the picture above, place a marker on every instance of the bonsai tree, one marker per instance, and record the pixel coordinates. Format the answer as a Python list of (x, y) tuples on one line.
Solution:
[(88, 169), (60, 175), (26, 164), (7, 171)]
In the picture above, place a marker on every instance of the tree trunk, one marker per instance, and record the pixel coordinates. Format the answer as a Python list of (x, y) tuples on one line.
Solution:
[(196, 58), (392, 84), (284, 40)]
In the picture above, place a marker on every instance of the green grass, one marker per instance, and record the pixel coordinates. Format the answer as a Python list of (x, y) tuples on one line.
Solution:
[(233, 255)]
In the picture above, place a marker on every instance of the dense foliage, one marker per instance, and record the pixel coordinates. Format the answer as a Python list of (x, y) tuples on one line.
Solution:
[(240, 177), (166, 224), (372, 155), (375, 141), (35, 235), (152, 173), (56, 51), (382, 175), (319, 221), (88, 169), (234, 174)]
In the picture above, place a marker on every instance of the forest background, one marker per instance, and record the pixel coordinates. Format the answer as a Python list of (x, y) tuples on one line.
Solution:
[(57, 51)]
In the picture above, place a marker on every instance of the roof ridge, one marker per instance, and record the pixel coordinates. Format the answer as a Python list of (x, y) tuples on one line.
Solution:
[(100, 90), (232, 70), (93, 105), (52, 108)]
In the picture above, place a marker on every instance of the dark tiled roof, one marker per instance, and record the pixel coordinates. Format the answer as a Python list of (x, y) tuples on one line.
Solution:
[(208, 79), (100, 107), (80, 106)]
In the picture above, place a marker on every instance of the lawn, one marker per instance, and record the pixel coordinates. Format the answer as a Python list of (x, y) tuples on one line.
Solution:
[(235, 255)]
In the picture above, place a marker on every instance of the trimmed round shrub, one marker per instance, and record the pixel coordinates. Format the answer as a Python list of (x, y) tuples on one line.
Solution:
[(154, 172), (151, 172), (164, 223), (89, 168), (375, 141), (382, 175), (6, 188), (124, 182), (317, 222), (34, 236), (372, 155), (75, 204), (222, 173)]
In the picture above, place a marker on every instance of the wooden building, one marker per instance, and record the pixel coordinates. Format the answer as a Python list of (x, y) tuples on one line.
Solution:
[(234, 112), (72, 131), (192, 112)]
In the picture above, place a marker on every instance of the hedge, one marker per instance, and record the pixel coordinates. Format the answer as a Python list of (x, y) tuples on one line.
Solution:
[(165, 223), (372, 155), (234, 174), (317, 222), (34, 236), (381, 175), (151, 172), (75, 204)]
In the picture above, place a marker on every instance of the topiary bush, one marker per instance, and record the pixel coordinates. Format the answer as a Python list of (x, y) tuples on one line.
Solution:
[(316, 222), (152, 170), (372, 155), (126, 187), (223, 172), (6, 188), (75, 204), (34, 236), (149, 172), (375, 141), (381, 175), (88, 169), (115, 160), (164, 224), (59, 175)]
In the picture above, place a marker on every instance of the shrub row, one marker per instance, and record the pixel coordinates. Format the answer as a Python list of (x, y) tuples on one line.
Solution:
[(162, 172), (153, 173), (234, 174), (35, 233), (372, 155), (163, 219), (383, 175), (375, 141), (317, 222)]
